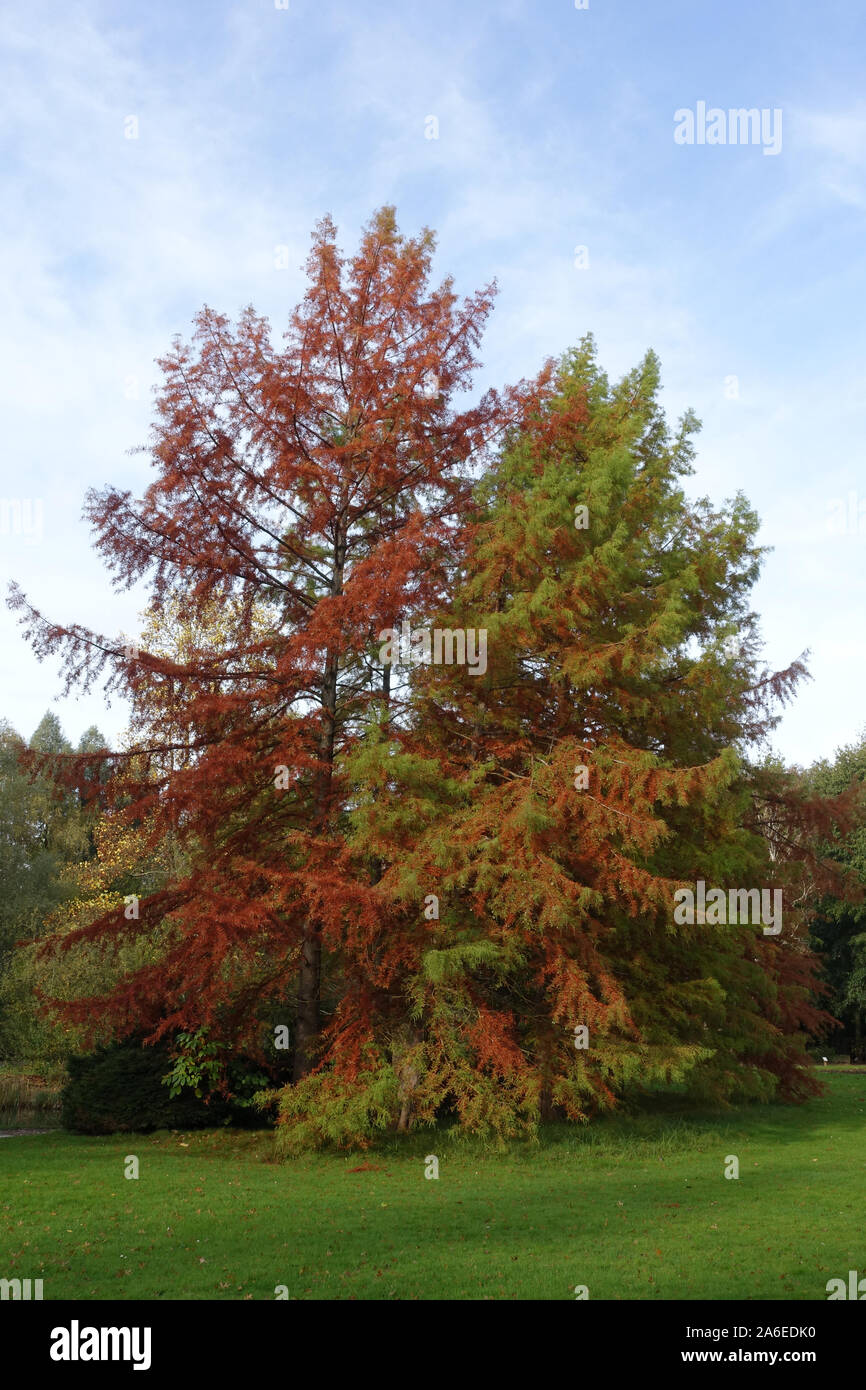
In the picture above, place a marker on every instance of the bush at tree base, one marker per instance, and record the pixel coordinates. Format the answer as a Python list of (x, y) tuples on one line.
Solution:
[(120, 1088)]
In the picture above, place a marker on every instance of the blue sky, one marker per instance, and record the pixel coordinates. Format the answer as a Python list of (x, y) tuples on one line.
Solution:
[(745, 271)]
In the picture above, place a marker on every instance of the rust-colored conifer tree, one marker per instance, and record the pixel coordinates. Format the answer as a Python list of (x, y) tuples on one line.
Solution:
[(309, 494)]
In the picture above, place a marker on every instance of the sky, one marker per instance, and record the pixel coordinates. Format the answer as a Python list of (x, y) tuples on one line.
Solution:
[(159, 157)]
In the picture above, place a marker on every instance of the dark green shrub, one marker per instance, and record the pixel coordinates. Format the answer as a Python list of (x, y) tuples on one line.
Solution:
[(120, 1088)]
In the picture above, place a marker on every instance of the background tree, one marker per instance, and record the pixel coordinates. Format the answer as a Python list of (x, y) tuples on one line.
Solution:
[(41, 828), (45, 827), (838, 927)]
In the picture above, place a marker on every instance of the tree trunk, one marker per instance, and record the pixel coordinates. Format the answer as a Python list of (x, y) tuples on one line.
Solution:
[(409, 1079), (309, 996), (546, 1104), (309, 1021)]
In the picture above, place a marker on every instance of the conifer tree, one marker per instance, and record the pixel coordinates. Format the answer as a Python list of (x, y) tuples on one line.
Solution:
[(309, 493), (534, 822)]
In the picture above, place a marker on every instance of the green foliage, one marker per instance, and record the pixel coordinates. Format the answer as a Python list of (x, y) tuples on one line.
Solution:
[(119, 1088), (197, 1066), (319, 1113), (200, 1065), (44, 830), (28, 1030), (838, 928), (33, 845)]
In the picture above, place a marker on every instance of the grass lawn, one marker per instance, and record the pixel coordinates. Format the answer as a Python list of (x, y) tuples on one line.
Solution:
[(633, 1208)]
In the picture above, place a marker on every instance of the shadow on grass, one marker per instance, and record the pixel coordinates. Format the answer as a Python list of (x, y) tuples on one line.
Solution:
[(658, 1124)]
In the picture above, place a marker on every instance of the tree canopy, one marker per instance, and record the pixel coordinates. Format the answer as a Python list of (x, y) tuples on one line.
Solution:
[(439, 704)]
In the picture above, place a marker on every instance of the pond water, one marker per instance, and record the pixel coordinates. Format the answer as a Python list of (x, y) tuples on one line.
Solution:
[(14, 1133)]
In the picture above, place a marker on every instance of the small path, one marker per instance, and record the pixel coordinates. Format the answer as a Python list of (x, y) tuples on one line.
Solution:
[(14, 1133)]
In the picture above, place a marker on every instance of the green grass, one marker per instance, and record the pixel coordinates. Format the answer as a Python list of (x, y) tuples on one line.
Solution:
[(633, 1208)]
